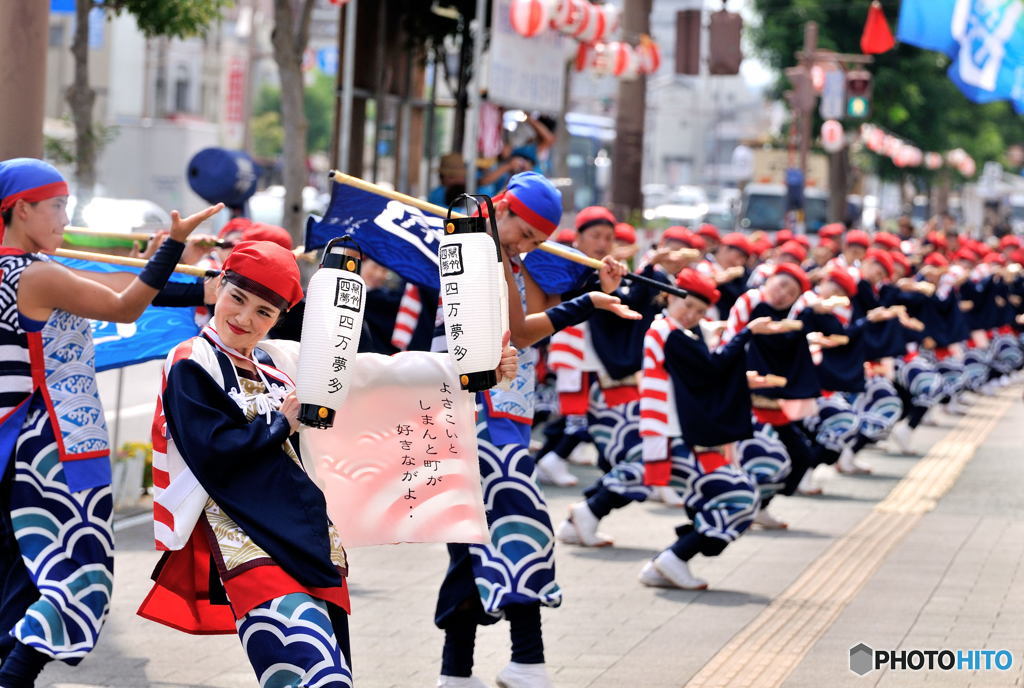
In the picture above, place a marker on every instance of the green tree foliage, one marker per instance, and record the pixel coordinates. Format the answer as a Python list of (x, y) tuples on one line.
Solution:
[(172, 18), (912, 96), (268, 134)]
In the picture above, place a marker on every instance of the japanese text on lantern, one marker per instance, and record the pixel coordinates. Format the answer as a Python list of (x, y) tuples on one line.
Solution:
[(348, 294)]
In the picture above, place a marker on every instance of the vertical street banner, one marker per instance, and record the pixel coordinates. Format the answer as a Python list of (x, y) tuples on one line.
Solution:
[(526, 73)]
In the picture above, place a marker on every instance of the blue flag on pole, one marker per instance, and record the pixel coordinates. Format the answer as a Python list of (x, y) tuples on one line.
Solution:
[(405, 239), (984, 38), (150, 337)]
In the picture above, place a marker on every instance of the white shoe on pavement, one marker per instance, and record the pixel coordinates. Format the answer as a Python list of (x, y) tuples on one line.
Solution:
[(900, 436), (677, 571), (552, 469), (566, 533), (585, 454), (956, 406), (652, 578), (460, 682), (850, 464), (988, 389), (585, 522), (809, 486), (516, 675), (767, 521), (666, 495)]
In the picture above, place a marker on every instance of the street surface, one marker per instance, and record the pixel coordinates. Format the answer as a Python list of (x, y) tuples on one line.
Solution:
[(926, 553)]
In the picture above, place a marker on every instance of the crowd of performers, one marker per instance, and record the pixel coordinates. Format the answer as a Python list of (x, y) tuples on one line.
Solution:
[(783, 356)]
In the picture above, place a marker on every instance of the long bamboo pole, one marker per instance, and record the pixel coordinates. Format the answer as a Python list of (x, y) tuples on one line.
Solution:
[(548, 246), (125, 236), (130, 262)]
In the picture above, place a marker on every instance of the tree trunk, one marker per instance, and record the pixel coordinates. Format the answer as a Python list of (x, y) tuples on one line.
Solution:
[(290, 37), (628, 154), (23, 78), (81, 97)]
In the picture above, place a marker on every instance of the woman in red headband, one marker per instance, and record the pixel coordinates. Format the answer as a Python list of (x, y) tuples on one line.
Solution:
[(54, 451)]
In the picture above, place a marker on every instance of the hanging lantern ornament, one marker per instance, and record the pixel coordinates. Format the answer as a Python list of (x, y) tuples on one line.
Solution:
[(891, 146), (474, 296), (933, 161), (562, 15), (967, 166), (649, 55), (331, 327), (585, 54), (833, 138), (877, 38), (530, 17), (610, 15), (593, 24)]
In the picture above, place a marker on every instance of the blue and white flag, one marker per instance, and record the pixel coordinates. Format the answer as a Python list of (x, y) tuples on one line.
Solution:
[(155, 333), (405, 239), (984, 38)]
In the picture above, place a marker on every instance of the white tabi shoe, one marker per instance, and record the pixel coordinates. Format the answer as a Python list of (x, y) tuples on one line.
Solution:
[(566, 533), (809, 486), (988, 389), (516, 675), (956, 406), (585, 523), (666, 495), (460, 682), (677, 572), (585, 454), (769, 522), (849, 463), (900, 436), (552, 469), (652, 578)]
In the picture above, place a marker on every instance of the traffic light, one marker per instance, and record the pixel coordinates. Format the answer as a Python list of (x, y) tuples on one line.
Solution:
[(858, 93), (688, 31), (724, 43)]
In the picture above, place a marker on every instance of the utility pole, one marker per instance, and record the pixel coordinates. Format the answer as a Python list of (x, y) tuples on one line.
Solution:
[(23, 77), (628, 153), (807, 111)]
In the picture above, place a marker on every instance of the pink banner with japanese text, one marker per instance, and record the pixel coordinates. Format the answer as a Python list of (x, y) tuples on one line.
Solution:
[(400, 463)]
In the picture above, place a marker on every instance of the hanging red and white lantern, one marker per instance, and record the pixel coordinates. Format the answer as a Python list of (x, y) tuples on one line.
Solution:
[(585, 56), (649, 55), (562, 14), (611, 21), (956, 157), (530, 17), (833, 138), (933, 161), (592, 26), (967, 166)]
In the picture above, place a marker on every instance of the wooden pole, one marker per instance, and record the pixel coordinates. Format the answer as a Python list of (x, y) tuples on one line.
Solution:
[(130, 262)]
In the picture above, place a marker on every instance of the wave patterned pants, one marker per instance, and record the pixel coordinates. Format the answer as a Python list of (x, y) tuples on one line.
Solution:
[(291, 643), (57, 551)]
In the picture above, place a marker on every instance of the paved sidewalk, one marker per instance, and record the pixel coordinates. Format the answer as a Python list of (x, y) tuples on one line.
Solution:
[(955, 580)]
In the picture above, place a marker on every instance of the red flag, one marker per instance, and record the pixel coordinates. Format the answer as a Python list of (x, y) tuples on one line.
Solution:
[(877, 38)]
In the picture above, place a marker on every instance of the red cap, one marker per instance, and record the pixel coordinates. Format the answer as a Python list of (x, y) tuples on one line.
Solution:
[(901, 260), (737, 241), (966, 254), (625, 232), (936, 260), (268, 266), (761, 245), (782, 236), (887, 241), (995, 258), (258, 231), (829, 244), (677, 233), (796, 272), (844, 279), (833, 230), (594, 215), (1009, 241), (1018, 256), (937, 240), (698, 285), (883, 258), (697, 242), (566, 235), (709, 231), (794, 249), (802, 240), (235, 224), (856, 237)]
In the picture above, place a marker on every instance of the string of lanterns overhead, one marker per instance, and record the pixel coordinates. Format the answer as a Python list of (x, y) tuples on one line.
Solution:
[(905, 154), (591, 25)]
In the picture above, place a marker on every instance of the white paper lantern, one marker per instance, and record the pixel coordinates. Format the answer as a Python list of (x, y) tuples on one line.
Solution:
[(649, 54), (331, 327), (572, 15), (562, 14), (473, 299), (530, 17), (933, 161), (611, 21), (593, 24)]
